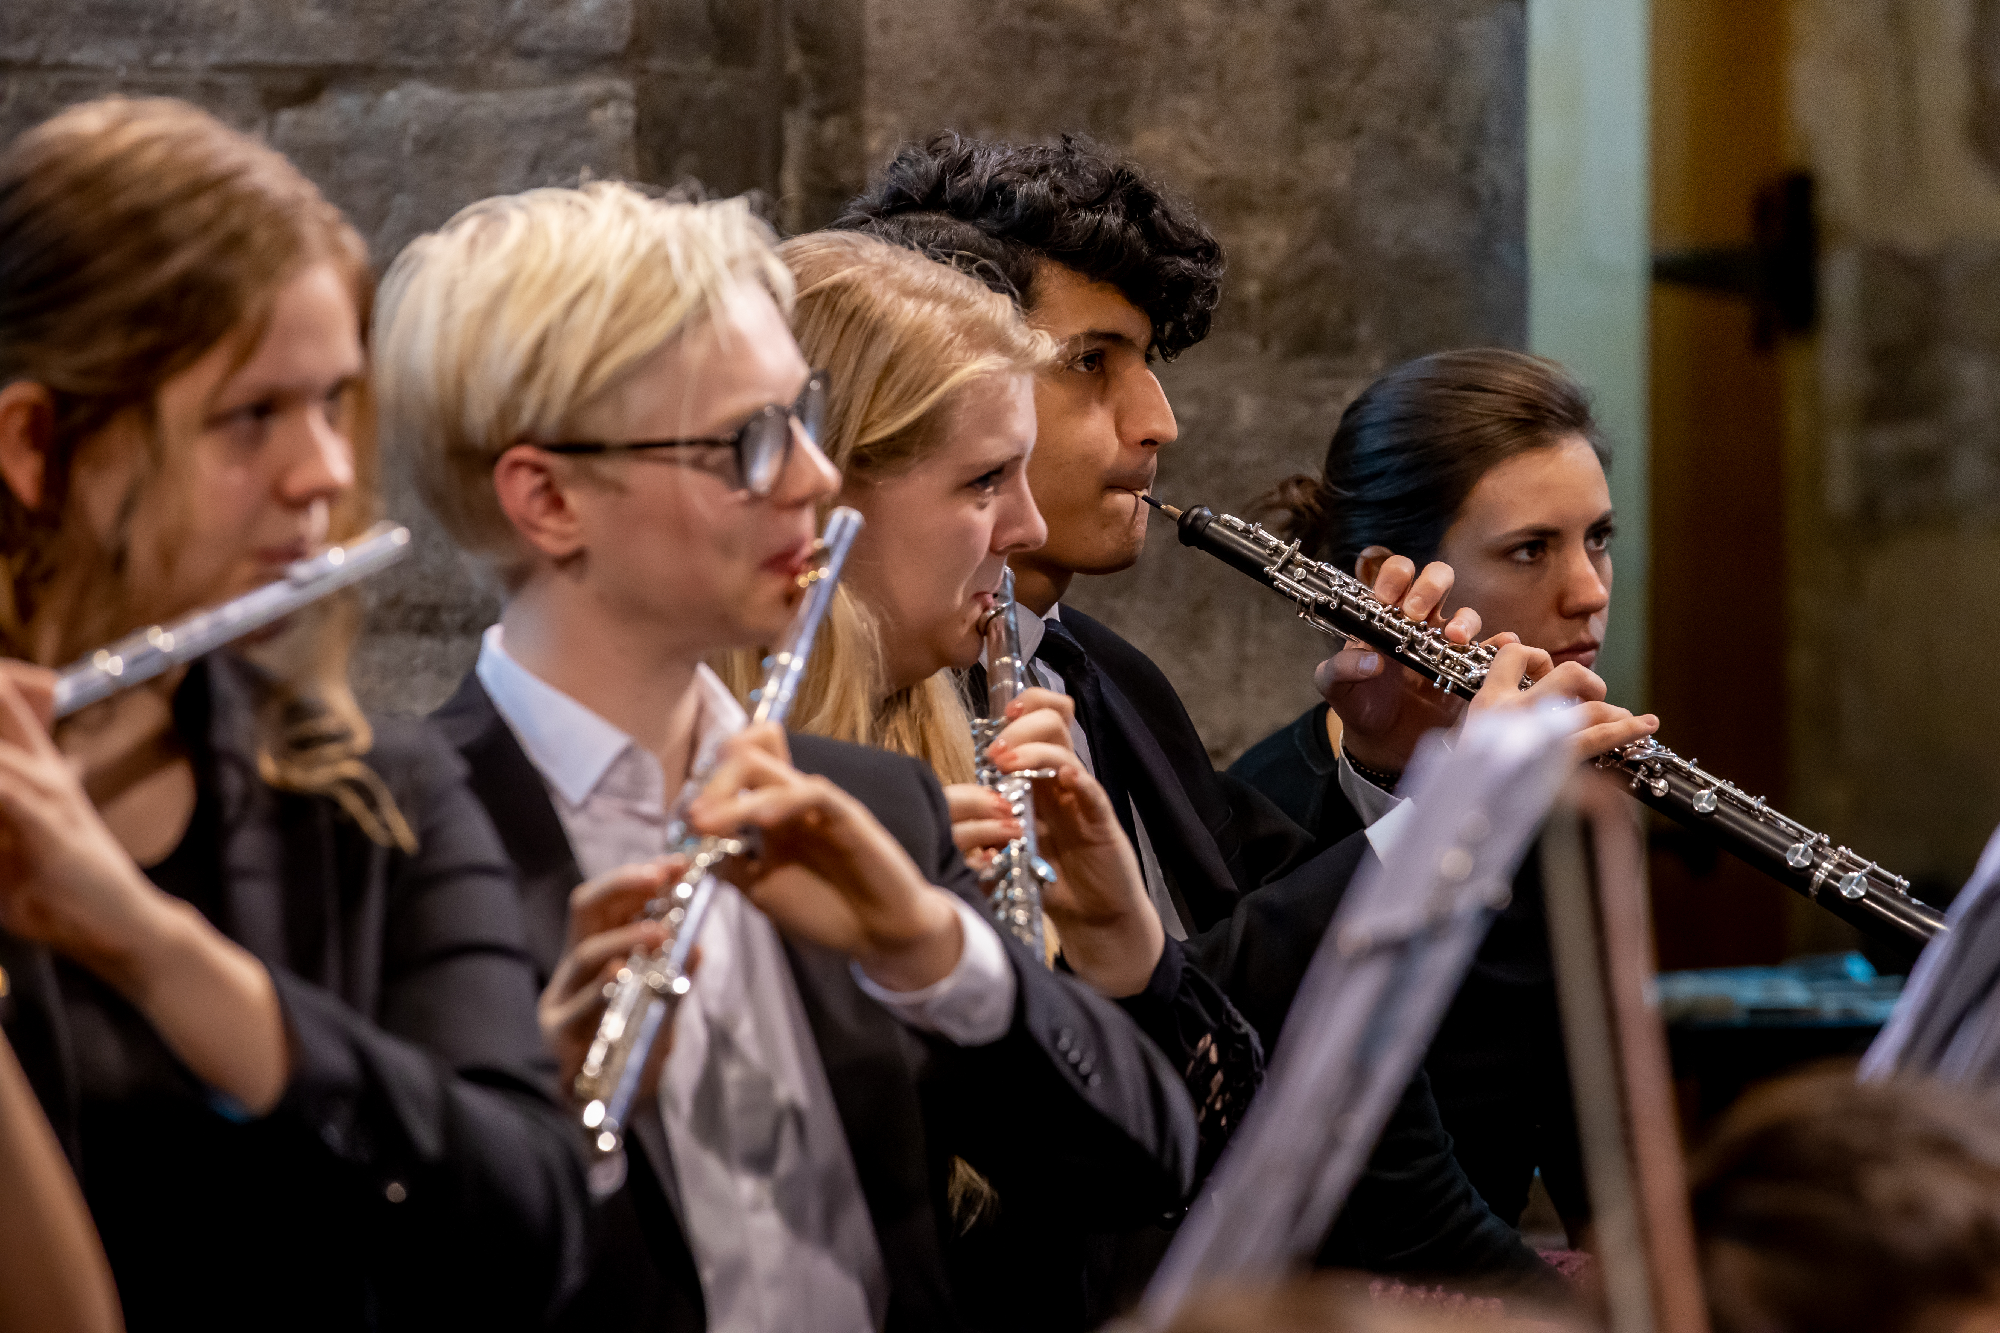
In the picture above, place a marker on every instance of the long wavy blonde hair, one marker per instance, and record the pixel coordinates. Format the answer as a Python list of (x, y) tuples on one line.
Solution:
[(136, 235), (900, 336)]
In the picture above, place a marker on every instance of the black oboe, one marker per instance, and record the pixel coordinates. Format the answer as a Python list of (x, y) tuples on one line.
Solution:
[(1335, 602)]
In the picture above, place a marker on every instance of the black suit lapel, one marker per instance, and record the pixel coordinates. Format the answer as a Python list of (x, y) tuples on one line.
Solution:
[(868, 1056), (507, 784), (1182, 843)]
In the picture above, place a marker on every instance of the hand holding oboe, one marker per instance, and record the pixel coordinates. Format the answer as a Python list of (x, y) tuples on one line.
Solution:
[(1385, 708)]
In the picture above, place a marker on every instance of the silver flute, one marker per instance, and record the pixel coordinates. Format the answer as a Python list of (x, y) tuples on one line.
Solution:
[(1807, 861), (146, 653), (647, 990), (1018, 876)]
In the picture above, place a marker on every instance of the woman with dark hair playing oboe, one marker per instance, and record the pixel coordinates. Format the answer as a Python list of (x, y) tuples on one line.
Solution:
[(264, 959), (1489, 461)]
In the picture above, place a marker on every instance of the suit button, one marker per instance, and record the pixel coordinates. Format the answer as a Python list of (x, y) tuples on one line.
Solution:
[(1084, 1068), (394, 1192), (1093, 1080), (1073, 1056), (1065, 1039)]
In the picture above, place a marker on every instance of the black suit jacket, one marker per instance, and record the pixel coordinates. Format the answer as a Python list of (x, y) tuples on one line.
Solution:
[(1497, 1065), (1215, 836), (1072, 1115), (1261, 891), (417, 1173)]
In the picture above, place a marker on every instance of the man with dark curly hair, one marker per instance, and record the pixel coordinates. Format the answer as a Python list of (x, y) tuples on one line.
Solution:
[(1119, 271)]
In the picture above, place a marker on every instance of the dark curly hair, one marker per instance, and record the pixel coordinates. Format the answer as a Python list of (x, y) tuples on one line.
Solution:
[(996, 209)]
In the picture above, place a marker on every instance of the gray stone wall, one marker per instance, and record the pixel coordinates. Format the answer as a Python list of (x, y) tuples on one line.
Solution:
[(1362, 160), (1894, 469)]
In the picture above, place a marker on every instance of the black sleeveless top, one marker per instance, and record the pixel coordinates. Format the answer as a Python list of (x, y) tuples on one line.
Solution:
[(416, 1172)]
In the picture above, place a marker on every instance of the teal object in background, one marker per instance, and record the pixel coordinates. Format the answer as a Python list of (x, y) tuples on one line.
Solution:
[(1829, 990)]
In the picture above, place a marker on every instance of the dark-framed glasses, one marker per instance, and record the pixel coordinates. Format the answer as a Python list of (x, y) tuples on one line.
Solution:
[(762, 445)]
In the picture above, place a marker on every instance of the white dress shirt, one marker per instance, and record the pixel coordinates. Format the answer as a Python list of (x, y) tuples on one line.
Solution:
[(770, 1201), (1048, 677), (1382, 812)]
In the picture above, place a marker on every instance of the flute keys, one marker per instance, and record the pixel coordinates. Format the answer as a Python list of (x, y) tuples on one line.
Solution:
[(1798, 856), (1852, 885), (1705, 802)]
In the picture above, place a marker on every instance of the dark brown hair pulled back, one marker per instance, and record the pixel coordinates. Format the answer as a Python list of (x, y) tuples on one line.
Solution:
[(1410, 449)]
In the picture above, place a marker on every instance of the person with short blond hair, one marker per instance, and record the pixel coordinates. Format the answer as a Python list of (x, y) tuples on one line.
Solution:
[(529, 306), (613, 375)]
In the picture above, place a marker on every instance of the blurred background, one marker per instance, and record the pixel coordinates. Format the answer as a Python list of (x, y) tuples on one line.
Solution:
[(1765, 232)]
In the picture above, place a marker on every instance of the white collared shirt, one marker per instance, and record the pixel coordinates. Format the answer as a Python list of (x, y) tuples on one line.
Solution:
[(771, 1203), (1383, 813)]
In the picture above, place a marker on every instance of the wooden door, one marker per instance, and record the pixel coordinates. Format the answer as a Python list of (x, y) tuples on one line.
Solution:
[(1717, 415)]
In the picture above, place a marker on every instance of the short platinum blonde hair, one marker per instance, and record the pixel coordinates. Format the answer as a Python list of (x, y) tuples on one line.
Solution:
[(499, 327)]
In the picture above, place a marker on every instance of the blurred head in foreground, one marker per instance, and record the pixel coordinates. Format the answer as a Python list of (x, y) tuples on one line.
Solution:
[(1349, 1303), (1826, 1205)]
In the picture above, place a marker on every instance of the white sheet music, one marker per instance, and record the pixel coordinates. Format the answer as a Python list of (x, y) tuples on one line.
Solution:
[(1371, 1001), (1947, 1022)]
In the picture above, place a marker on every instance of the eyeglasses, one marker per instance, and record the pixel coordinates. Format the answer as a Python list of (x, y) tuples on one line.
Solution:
[(763, 444)]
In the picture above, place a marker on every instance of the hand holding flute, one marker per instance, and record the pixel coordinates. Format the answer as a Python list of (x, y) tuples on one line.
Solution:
[(67, 881), (825, 869), (1110, 934)]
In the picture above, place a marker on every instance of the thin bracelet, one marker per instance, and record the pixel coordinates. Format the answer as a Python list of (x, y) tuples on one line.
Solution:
[(1381, 778)]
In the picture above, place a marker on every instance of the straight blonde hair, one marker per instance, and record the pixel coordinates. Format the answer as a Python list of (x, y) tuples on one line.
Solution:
[(900, 337), (500, 326)]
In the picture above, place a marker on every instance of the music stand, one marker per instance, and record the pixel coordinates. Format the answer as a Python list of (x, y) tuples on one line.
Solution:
[(1370, 1004), (1593, 876)]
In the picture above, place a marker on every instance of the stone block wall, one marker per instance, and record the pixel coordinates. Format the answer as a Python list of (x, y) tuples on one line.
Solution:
[(1362, 160), (1894, 486)]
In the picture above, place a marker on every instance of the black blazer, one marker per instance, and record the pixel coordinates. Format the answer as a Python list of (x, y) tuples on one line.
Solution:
[(1497, 1066), (417, 1173), (1215, 837), (1261, 890), (1072, 1116)]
